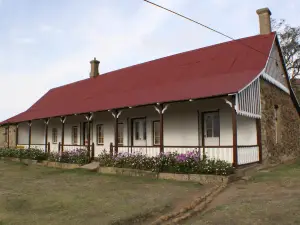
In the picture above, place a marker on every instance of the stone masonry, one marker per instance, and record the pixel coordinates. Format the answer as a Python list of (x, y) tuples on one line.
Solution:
[(288, 125), (12, 136)]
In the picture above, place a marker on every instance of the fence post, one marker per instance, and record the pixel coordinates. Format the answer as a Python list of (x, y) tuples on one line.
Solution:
[(111, 149)]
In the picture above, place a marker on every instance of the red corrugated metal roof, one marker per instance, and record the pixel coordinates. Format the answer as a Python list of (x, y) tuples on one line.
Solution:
[(211, 71)]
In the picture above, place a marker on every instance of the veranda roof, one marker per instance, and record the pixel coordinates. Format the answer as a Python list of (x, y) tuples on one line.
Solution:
[(211, 71)]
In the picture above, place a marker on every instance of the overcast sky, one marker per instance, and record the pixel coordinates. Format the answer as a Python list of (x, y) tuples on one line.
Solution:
[(48, 43)]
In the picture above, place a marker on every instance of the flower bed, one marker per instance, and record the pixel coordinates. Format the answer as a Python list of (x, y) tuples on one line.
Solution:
[(77, 156), (189, 163)]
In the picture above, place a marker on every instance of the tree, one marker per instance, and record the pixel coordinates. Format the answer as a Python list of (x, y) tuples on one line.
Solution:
[(289, 38)]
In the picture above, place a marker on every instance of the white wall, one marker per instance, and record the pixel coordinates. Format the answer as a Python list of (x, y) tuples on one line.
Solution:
[(276, 70), (23, 133), (246, 131), (37, 132), (181, 126)]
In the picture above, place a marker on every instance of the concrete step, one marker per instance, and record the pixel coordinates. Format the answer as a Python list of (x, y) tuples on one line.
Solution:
[(93, 166)]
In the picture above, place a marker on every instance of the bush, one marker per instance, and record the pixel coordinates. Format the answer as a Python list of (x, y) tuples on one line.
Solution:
[(188, 163), (35, 154), (77, 156)]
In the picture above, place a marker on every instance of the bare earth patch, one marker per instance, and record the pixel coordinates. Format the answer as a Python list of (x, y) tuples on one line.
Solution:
[(270, 197), (39, 195)]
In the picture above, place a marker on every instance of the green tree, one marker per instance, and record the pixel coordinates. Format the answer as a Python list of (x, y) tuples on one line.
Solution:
[(289, 38)]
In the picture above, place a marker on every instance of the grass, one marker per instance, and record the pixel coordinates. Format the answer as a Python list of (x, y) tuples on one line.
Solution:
[(270, 197), (39, 195)]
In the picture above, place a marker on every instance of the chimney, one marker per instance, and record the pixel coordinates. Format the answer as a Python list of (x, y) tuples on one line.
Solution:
[(264, 15), (94, 68)]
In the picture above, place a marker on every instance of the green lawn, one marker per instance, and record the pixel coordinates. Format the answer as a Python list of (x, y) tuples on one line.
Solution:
[(270, 197), (39, 195)]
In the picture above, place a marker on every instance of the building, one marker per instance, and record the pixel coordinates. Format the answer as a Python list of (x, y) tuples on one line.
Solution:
[(232, 101), (296, 87)]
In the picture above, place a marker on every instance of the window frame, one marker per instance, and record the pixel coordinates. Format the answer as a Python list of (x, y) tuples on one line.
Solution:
[(54, 135), (213, 124), (74, 135), (97, 133), (153, 132), (137, 134), (120, 134)]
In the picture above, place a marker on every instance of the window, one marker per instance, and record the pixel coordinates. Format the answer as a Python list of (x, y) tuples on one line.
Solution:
[(276, 122), (156, 132), (120, 134), (212, 125), (75, 135), (137, 130), (144, 130), (216, 123), (140, 129), (100, 134), (54, 135)]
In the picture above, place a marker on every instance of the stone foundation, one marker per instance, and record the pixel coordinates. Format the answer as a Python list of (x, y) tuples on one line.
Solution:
[(198, 178), (287, 146)]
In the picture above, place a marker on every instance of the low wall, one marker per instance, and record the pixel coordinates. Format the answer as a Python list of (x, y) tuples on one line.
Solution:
[(199, 178), (44, 163)]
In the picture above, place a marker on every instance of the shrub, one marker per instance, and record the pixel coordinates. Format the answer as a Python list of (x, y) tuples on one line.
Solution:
[(188, 163), (35, 154), (77, 156)]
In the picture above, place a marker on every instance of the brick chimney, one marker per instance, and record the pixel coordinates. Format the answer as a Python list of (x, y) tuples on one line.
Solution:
[(264, 15), (94, 68)]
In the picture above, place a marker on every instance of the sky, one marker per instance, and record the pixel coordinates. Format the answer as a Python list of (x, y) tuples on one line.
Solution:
[(45, 44)]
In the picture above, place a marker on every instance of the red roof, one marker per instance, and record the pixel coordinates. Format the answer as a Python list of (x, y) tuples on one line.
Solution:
[(211, 71)]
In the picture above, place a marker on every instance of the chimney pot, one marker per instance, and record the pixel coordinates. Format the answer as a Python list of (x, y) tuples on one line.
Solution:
[(264, 16), (94, 68)]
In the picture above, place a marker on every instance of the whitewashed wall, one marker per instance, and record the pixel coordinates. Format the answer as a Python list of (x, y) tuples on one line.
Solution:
[(23, 133), (180, 126), (37, 132), (246, 131), (275, 68)]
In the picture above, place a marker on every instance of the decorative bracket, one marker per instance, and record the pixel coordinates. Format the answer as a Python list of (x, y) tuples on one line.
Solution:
[(230, 103), (116, 113), (63, 119), (89, 116), (162, 109), (46, 121)]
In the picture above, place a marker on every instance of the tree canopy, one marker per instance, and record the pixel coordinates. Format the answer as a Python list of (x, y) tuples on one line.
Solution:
[(289, 38)]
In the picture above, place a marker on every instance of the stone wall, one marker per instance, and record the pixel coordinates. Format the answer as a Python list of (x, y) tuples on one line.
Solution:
[(288, 125), (12, 136), (296, 87), (2, 136)]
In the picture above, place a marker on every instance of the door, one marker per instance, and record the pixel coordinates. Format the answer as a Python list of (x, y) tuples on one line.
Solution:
[(85, 133), (139, 132), (211, 129)]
